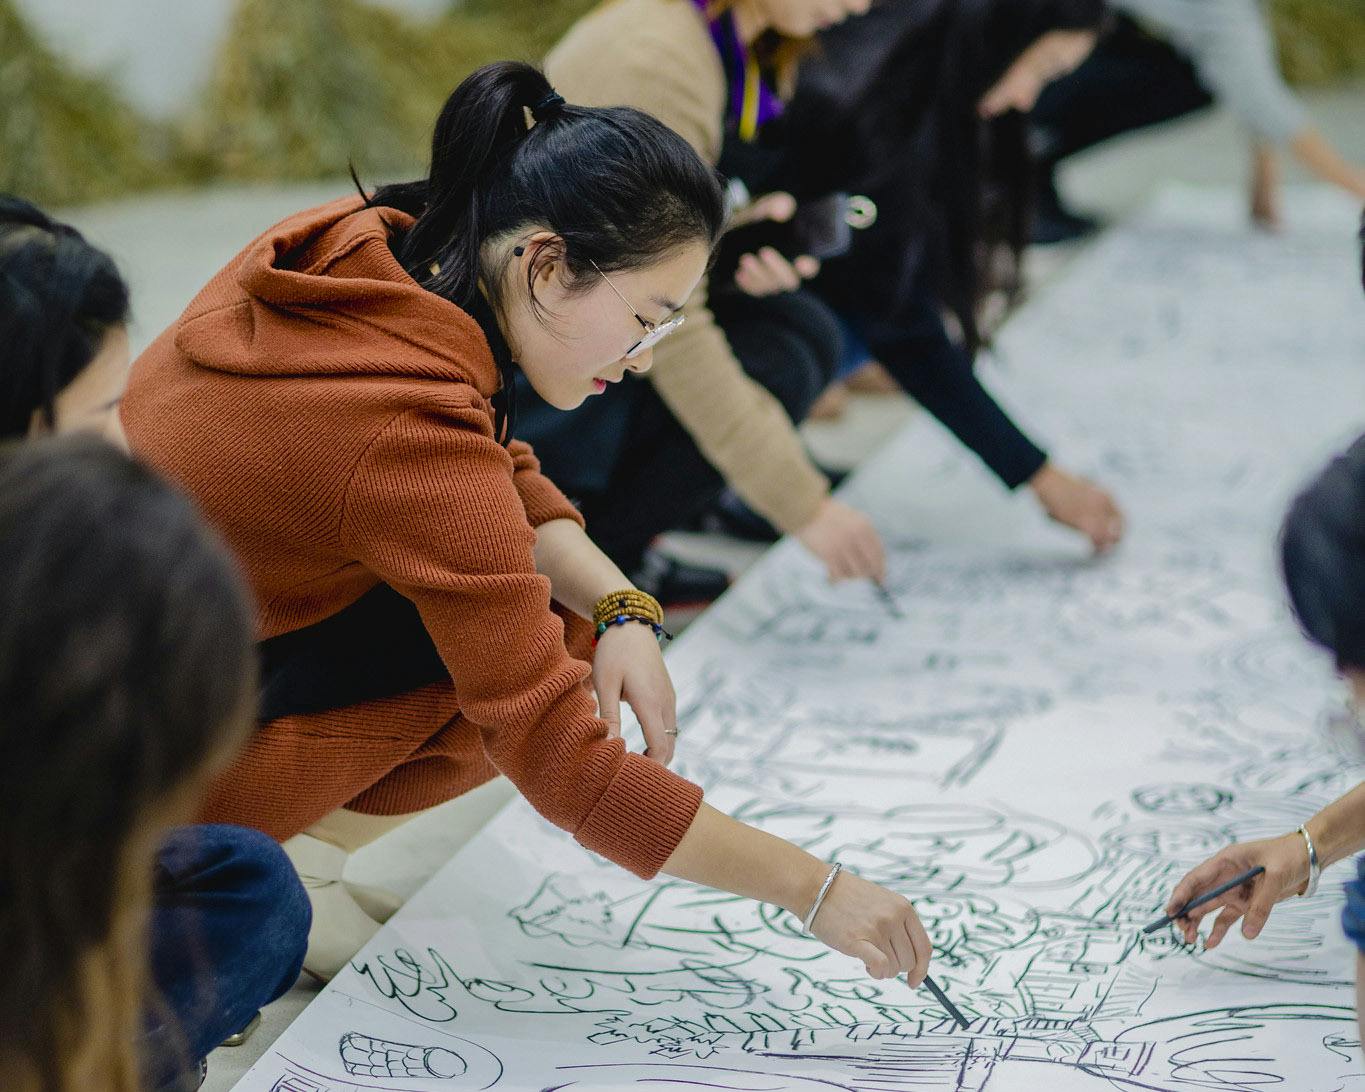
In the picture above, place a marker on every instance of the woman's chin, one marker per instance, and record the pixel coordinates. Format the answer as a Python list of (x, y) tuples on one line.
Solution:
[(561, 399)]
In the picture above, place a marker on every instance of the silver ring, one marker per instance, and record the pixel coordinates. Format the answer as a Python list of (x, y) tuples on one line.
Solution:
[(670, 731)]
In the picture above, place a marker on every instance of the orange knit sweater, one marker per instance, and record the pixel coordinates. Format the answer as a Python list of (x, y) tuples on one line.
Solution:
[(332, 420)]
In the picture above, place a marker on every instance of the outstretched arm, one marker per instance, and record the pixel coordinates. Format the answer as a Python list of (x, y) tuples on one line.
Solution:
[(1337, 832), (857, 918)]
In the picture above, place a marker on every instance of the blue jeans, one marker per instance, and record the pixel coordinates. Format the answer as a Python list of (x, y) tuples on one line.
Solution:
[(229, 928), (1353, 913)]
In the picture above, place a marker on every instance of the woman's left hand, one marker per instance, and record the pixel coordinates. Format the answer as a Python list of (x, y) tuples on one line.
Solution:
[(629, 665), (1079, 503)]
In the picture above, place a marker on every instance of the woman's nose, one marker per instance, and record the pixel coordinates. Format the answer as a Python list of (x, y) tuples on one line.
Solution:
[(642, 363)]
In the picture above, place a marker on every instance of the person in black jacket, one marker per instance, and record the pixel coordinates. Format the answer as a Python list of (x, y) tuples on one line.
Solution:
[(920, 106)]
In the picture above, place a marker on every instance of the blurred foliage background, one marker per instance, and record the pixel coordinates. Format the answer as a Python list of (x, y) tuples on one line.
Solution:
[(1320, 41), (299, 89), (65, 137)]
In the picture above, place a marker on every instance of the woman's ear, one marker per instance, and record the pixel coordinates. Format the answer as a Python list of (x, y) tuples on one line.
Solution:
[(542, 259)]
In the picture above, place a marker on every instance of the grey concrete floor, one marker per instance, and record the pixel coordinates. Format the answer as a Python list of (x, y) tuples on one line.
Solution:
[(170, 244)]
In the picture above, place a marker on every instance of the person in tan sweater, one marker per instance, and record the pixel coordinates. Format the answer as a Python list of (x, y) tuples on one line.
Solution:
[(691, 63), (337, 402)]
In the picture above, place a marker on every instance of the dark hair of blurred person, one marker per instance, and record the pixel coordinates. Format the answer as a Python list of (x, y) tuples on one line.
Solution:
[(126, 675), (1323, 557), (228, 918)]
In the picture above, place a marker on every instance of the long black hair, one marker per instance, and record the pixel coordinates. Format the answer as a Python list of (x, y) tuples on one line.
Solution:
[(126, 665), (59, 297), (619, 187), (889, 108)]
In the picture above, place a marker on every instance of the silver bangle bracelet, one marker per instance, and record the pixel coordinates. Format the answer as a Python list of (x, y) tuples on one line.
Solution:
[(820, 898), (1314, 865)]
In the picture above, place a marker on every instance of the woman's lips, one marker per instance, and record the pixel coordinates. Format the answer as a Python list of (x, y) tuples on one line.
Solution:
[(599, 385)]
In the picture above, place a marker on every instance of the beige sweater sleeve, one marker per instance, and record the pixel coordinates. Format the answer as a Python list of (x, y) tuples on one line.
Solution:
[(657, 56)]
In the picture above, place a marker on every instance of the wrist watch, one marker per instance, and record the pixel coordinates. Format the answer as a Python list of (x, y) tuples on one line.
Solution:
[(1314, 865)]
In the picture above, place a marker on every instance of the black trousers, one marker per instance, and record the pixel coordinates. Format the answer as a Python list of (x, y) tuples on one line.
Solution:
[(790, 344), (1131, 81)]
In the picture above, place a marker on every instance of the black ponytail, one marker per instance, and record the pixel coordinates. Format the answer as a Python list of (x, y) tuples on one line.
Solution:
[(59, 297), (619, 187)]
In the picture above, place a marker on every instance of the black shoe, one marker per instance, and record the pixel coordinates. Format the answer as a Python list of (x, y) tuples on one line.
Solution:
[(731, 516), (1053, 222), (1062, 226), (677, 584)]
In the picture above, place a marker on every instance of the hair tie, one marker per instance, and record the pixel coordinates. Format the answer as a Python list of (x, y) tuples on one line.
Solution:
[(548, 107)]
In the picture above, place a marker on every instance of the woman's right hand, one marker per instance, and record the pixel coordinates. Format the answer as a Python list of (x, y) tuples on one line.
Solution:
[(857, 918), (845, 540), (870, 923), (1285, 861)]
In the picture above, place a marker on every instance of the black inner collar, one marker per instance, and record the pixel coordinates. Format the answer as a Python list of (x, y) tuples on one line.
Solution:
[(505, 400)]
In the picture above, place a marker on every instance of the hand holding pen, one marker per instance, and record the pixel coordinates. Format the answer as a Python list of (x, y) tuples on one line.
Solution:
[(1268, 871)]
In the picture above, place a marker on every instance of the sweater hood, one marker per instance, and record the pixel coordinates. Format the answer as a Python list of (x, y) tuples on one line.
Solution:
[(321, 293)]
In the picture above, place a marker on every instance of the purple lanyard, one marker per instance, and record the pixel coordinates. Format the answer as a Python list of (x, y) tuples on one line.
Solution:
[(752, 102)]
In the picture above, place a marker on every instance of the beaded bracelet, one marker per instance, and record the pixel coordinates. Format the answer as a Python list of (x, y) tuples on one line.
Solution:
[(640, 608), (630, 601), (621, 619)]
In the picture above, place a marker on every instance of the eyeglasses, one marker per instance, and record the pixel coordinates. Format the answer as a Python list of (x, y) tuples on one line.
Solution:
[(654, 332)]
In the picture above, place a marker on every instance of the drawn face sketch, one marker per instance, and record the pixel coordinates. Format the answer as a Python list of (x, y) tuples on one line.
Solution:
[(1182, 841), (1181, 799), (939, 848)]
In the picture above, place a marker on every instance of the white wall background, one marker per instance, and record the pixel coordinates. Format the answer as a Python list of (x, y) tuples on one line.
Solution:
[(158, 51)]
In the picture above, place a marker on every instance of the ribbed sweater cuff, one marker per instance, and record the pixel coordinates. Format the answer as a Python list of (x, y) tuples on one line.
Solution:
[(641, 818)]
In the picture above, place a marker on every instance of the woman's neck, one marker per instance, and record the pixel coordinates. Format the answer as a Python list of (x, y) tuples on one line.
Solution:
[(750, 23)]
